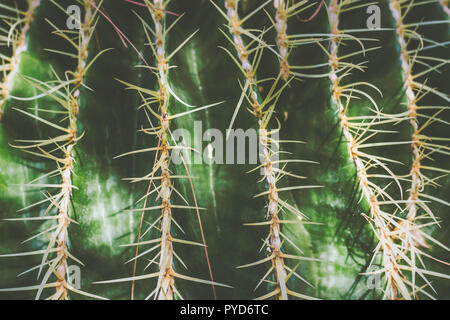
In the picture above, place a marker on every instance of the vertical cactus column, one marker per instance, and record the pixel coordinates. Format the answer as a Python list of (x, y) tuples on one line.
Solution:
[(61, 149), (85, 34), (411, 230), (416, 178), (380, 220), (275, 240), (166, 278), (17, 40), (264, 139), (263, 109), (166, 275)]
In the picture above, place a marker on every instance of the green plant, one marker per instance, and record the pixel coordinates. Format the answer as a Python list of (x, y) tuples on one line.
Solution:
[(368, 104), (14, 34)]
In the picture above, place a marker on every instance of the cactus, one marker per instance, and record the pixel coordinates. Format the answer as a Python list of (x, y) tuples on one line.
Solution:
[(15, 36), (152, 149)]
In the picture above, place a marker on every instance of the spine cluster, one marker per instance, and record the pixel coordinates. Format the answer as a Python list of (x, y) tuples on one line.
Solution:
[(281, 18), (235, 29)]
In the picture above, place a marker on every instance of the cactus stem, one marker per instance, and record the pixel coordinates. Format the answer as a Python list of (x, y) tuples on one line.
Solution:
[(282, 39), (165, 288), (17, 39), (263, 115), (66, 189), (166, 279), (275, 227), (236, 31), (273, 205), (411, 97), (416, 240), (66, 94), (382, 229), (411, 233)]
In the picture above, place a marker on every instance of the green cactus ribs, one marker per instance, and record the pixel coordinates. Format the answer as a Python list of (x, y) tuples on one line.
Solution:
[(224, 149)]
